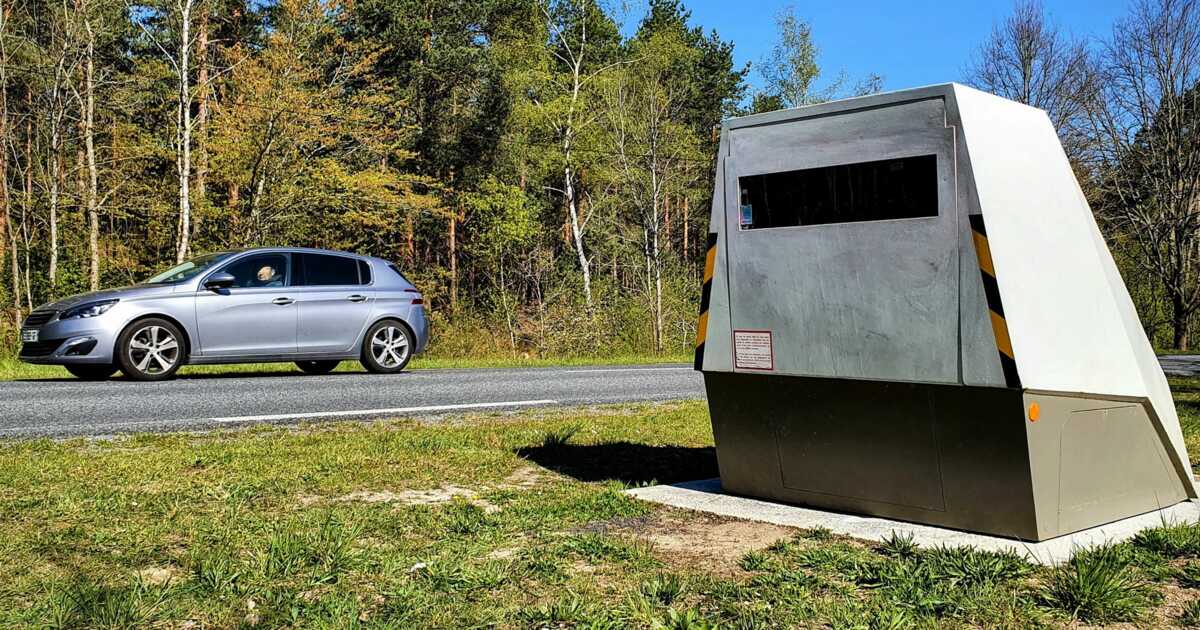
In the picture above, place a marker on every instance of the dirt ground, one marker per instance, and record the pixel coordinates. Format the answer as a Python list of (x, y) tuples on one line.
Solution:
[(687, 539)]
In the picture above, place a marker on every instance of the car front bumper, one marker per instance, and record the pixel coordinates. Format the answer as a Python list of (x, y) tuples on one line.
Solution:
[(70, 341)]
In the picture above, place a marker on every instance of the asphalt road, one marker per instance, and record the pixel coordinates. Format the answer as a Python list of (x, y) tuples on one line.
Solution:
[(1181, 364), (68, 407)]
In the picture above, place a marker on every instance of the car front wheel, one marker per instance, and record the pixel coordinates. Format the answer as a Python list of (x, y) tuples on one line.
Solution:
[(150, 350), (387, 347), (91, 372)]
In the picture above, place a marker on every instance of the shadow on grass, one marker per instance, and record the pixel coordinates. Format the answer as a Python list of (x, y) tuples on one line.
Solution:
[(633, 464)]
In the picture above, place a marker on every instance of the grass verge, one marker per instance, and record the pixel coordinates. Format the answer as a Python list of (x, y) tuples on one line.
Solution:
[(12, 369), (502, 520)]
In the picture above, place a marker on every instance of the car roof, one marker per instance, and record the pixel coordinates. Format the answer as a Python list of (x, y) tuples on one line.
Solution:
[(309, 250)]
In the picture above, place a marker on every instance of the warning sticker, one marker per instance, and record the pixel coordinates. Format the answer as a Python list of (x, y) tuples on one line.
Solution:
[(752, 350)]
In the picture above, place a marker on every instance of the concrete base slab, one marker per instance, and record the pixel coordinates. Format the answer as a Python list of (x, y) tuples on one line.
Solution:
[(706, 496)]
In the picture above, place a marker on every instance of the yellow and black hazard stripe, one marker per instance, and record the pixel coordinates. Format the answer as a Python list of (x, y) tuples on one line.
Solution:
[(710, 263), (991, 290)]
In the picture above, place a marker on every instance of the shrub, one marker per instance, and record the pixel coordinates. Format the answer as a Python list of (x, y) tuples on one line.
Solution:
[(558, 438), (754, 561), (571, 611), (1099, 585), (1172, 541), (686, 620), (83, 603), (663, 589), (214, 569), (1189, 575), (817, 533), (899, 546), (968, 567)]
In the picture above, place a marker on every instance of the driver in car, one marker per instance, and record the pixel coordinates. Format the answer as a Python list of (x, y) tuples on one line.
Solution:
[(268, 277)]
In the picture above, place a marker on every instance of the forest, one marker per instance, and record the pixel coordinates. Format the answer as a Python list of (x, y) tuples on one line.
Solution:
[(542, 169)]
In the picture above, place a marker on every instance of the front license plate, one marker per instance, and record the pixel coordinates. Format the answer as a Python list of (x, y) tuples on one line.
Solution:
[(29, 336)]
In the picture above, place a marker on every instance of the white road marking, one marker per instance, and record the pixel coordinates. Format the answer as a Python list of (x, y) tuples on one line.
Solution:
[(614, 370), (381, 412)]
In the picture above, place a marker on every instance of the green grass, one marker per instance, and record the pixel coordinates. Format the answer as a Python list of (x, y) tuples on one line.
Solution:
[(1187, 402), (489, 520), (1101, 585), (12, 369)]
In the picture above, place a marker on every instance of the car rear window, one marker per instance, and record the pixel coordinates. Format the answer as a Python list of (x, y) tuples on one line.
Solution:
[(323, 270)]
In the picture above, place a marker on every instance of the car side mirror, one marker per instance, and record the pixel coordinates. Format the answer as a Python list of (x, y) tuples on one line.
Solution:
[(219, 281)]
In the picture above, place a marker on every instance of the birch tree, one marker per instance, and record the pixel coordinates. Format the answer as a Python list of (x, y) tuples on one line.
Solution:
[(176, 18), (63, 67), (1145, 117), (7, 231), (653, 148), (792, 75), (582, 42), (1029, 59), (89, 140)]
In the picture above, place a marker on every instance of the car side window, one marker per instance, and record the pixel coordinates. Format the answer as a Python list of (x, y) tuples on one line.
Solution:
[(260, 271), (321, 270)]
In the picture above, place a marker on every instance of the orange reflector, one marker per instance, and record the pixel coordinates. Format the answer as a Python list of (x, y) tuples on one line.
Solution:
[(1035, 412)]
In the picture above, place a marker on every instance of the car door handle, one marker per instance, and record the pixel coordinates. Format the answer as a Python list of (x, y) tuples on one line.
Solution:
[(282, 301), (357, 298)]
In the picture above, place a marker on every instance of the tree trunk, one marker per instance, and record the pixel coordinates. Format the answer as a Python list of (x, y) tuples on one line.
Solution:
[(80, 171), (684, 218), (1179, 320), (658, 294), (183, 132), (201, 118), (27, 207), (255, 215), (55, 179), (89, 133), (666, 223), (7, 234), (655, 256), (28, 281), (577, 235), (453, 238), (410, 245)]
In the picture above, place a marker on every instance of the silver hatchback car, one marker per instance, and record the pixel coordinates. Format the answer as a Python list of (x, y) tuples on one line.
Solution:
[(309, 306)]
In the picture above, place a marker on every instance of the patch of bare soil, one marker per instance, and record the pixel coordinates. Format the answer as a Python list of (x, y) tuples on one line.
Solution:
[(694, 540), (523, 478), (1175, 599), (157, 576)]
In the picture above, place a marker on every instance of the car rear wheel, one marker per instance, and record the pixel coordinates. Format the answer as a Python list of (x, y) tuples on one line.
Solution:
[(387, 347), (90, 372), (317, 367), (150, 350)]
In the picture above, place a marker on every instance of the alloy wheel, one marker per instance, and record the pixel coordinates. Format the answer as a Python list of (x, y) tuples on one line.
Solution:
[(389, 347), (153, 350)]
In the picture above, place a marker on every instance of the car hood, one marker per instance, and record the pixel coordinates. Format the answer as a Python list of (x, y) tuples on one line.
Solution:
[(121, 293)]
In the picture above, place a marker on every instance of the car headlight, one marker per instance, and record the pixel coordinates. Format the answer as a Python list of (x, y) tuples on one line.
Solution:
[(91, 309)]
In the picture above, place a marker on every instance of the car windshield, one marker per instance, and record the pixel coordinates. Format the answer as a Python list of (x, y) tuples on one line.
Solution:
[(187, 269)]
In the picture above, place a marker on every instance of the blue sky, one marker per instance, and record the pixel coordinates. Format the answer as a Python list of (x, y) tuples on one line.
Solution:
[(909, 42)]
